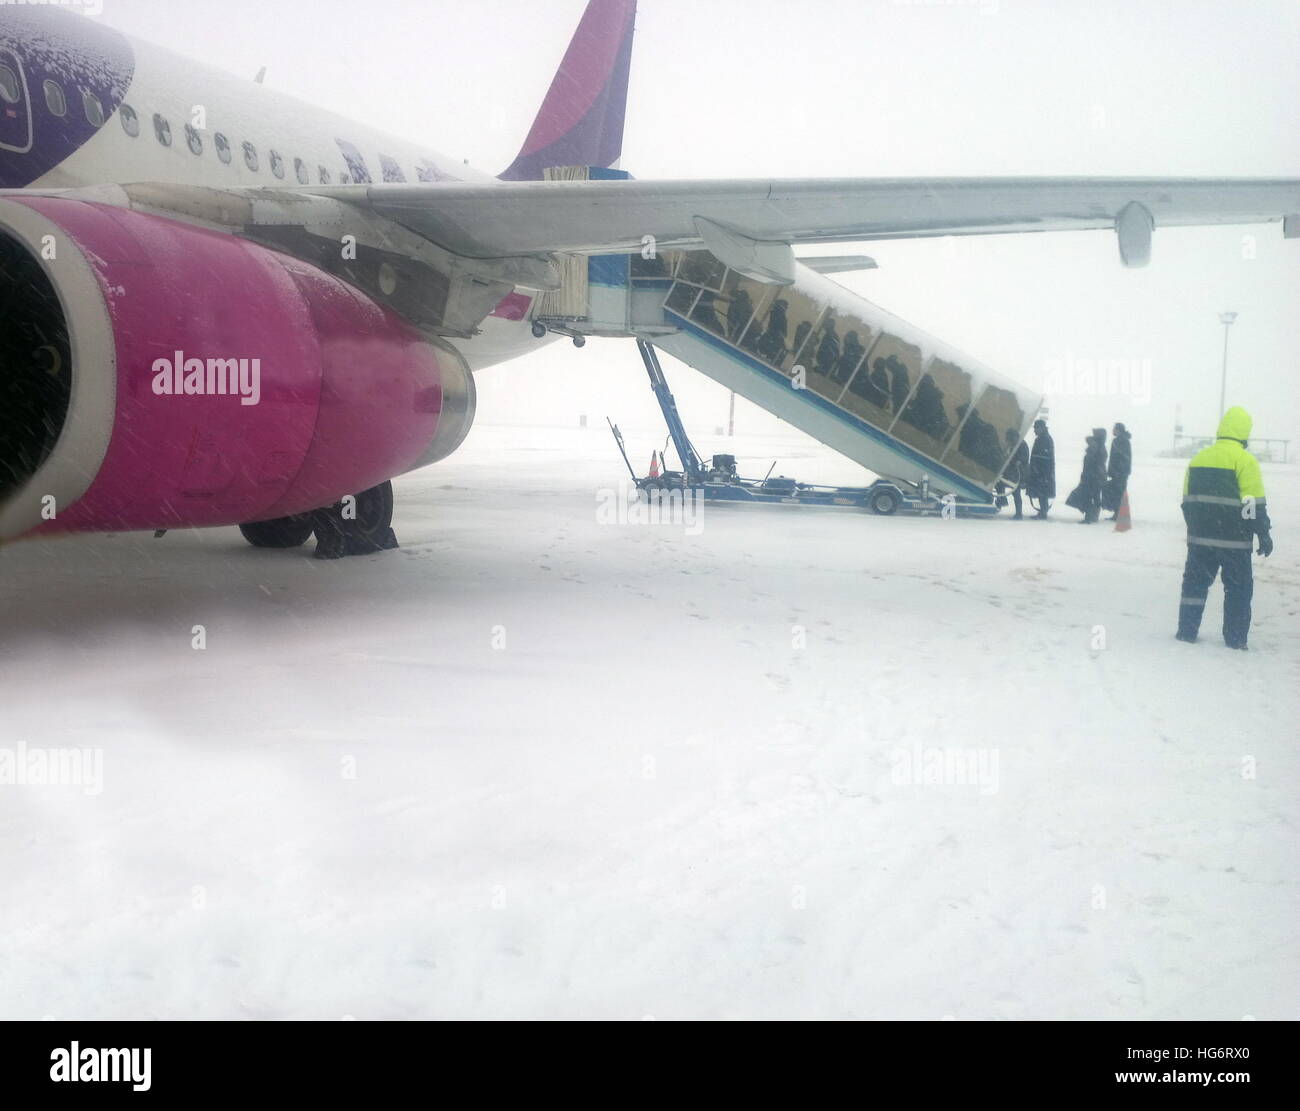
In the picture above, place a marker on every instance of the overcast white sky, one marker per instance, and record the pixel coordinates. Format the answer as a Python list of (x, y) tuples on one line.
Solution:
[(861, 88)]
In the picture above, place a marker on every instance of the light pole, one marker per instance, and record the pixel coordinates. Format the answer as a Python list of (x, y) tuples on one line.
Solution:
[(1226, 319)]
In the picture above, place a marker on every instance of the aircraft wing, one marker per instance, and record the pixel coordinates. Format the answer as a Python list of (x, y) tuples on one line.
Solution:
[(592, 217)]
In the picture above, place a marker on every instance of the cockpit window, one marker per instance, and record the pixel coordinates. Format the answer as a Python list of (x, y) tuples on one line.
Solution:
[(250, 157), (10, 90), (300, 171), (324, 176), (94, 110), (162, 129), (130, 121), (277, 164), (193, 139), (223, 147), (55, 101)]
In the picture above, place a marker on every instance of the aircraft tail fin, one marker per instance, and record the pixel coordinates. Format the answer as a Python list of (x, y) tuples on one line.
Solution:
[(581, 120)]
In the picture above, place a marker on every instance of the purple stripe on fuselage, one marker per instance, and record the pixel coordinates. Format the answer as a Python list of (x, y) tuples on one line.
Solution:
[(84, 58)]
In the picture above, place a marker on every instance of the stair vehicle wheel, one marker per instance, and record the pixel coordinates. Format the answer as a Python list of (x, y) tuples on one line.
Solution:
[(885, 502), (284, 532), (579, 341), (539, 330)]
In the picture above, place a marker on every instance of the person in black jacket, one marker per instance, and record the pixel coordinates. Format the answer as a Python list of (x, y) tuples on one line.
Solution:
[(1015, 474), (1118, 470), (1086, 497), (1041, 486)]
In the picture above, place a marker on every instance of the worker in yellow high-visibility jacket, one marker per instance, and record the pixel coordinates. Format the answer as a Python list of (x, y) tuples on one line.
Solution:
[(1225, 511)]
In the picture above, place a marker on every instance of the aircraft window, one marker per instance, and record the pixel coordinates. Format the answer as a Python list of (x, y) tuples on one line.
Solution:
[(277, 164), (193, 139), (426, 171), (357, 168), (324, 175), (344, 179), (55, 101), (392, 171), (130, 121), (162, 129), (10, 90), (223, 147), (250, 157), (94, 110), (300, 171)]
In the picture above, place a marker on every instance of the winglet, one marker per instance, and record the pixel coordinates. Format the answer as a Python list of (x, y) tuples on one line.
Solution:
[(581, 120)]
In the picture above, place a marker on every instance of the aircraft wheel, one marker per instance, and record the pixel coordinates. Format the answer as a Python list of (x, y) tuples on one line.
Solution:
[(370, 531), (284, 532), (579, 341)]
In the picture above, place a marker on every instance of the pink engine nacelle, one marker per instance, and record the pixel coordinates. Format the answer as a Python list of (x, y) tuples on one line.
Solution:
[(296, 389)]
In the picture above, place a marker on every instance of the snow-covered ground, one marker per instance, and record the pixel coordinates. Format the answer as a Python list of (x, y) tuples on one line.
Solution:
[(538, 764)]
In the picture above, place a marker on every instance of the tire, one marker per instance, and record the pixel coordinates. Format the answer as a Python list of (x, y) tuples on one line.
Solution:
[(375, 511), (284, 532), (368, 533), (885, 503), (539, 331)]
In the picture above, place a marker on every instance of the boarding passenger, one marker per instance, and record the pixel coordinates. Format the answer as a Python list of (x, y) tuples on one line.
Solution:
[(800, 334), (828, 351), (1086, 497), (1225, 511), (1016, 474), (1117, 470), (771, 347), (739, 314), (853, 352), (1041, 486)]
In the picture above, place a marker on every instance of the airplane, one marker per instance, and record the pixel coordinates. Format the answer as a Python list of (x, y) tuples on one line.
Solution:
[(225, 306)]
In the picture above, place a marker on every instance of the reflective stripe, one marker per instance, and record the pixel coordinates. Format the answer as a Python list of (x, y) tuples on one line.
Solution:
[(1192, 602), (1212, 499), (1204, 542)]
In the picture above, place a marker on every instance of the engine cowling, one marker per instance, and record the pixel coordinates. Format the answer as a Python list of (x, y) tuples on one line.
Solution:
[(157, 375)]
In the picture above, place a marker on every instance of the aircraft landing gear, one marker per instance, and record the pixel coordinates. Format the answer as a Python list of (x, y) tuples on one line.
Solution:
[(363, 528), (284, 532), (352, 527)]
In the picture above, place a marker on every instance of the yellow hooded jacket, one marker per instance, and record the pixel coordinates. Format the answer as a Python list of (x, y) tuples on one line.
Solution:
[(1223, 493)]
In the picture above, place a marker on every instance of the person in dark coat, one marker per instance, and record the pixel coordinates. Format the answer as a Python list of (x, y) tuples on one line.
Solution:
[(828, 351), (739, 314), (1118, 470), (1015, 474), (771, 347), (1086, 497), (853, 352), (1041, 486)]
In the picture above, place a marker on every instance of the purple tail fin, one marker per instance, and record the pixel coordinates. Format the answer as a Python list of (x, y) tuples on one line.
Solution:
[(581, 120)]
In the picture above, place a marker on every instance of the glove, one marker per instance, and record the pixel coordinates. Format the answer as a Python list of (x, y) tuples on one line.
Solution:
[(1266, 544)]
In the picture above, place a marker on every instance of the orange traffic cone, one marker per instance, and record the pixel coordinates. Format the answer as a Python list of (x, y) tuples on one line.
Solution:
[(654, 464), (1123, 519)]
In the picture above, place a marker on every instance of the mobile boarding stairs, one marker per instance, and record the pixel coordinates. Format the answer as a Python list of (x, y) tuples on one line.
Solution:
[(935, 424)]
